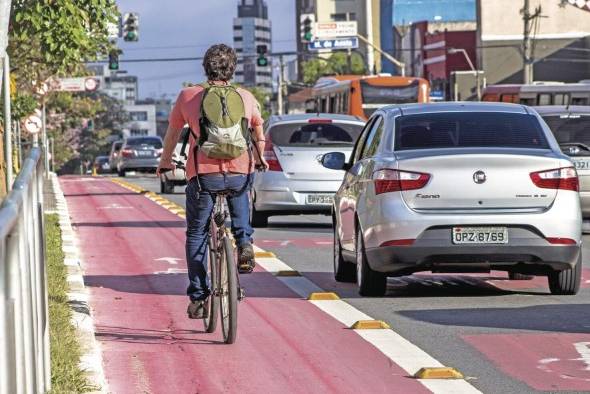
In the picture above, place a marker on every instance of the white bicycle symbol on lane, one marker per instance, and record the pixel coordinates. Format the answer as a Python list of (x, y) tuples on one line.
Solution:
[(583, 349)]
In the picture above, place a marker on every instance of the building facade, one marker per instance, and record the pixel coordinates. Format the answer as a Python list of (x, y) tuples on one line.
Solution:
[(349, 10), (116, 85), (561, 39), (251, 29), (142, 120)]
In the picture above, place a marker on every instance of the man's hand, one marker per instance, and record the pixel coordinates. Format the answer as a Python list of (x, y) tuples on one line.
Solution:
[(165, 167), (262, 164)]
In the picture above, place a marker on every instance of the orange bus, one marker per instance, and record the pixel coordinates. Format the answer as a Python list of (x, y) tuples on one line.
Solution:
[(540, 93), (362, 95)]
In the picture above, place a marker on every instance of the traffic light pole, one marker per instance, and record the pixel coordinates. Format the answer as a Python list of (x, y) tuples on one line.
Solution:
[(280, 92), (400, 65)]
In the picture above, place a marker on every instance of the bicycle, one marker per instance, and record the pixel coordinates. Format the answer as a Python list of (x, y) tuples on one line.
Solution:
[(225, 287)]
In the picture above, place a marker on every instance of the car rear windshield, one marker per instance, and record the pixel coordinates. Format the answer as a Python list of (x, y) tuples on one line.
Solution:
[(469, 130), (571, 130), (315, 134), (117, 146), (149, 142)]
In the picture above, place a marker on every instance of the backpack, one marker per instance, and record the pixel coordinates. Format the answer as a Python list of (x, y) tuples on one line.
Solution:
[(224, 127)]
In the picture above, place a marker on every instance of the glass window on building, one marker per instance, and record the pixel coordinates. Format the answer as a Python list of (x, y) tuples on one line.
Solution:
[(139, 131), (138, 116)]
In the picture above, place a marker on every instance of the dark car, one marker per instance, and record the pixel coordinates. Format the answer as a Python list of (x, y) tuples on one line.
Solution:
[(140, 154), (101, 165)]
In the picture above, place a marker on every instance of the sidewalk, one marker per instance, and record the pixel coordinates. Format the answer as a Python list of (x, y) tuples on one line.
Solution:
[(133, 254)]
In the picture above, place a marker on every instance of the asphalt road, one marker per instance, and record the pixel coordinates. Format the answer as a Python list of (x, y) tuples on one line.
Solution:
[(506, 336)]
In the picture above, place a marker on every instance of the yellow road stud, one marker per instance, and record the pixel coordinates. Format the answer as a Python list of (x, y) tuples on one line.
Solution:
[(323, 296), (264, 254), (370, 325), (288, 273), (438, 373)]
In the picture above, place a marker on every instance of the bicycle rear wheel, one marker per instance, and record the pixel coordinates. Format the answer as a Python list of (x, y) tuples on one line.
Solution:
[(210, 321), (229, 292)]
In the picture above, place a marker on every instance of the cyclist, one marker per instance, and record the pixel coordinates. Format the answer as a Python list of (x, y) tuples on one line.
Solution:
[(207, 175)]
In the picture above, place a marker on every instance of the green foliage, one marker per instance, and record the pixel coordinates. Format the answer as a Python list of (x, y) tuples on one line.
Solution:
[(263, 98), (336, 64), (66, 376), (56, 37)]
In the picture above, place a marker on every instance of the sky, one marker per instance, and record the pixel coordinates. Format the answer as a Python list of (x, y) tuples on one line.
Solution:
[(186, 28), (445, 10)]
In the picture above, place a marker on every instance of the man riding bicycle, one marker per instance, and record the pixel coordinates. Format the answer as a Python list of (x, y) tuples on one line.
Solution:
[(223, 120)]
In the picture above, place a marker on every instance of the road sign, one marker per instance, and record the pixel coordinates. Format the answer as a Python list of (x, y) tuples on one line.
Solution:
[(335, 29), (114, 29), (337, 43), (33, 124), (83, 84)]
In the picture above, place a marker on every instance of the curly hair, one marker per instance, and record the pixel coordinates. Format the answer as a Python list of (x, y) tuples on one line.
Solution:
[(220, 62)]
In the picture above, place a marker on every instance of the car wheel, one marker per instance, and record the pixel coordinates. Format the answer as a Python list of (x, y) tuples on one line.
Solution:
[(259, 219), (519, 276), (343, 270), (166, 187), (566, 282), (121, 173), (371, 283)]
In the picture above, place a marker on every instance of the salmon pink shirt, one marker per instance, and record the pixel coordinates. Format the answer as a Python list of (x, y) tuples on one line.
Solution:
[(187, 111)]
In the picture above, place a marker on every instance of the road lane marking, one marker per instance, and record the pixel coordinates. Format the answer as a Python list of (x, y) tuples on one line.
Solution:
[(170, 260), (402, 352)]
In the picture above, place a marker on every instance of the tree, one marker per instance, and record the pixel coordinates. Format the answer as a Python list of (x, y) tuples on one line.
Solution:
[(336, 64)]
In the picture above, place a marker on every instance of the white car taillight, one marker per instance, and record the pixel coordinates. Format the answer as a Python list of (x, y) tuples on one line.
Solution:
[(565, 178), (389, 180)]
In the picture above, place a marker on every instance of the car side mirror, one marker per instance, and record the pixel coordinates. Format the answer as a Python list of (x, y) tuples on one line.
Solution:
[(334, 161)]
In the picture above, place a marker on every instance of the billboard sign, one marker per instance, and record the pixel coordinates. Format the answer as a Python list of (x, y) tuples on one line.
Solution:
[(336, 29)]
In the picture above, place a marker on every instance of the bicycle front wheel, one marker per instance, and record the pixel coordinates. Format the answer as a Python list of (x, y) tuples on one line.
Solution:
[(229, 292), (210, 321)]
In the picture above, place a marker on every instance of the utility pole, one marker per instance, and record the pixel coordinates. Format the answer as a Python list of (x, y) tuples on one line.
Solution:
[(280, 92), (369, 23), (527, 41)]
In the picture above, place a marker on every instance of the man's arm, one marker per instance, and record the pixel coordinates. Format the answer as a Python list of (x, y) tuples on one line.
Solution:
[(170, 141), (258, 136)]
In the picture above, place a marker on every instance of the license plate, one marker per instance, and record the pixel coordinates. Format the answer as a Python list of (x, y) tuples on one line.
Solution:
[(322, 199), (144, 153), (480, 235), (582, 164)]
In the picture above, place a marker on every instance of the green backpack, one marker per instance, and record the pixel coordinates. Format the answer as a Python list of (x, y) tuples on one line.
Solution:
[(223, 123)]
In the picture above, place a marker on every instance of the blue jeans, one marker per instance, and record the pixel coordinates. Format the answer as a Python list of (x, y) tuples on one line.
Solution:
[(199, 206)]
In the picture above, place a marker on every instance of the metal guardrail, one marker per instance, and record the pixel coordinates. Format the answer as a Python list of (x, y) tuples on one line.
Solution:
[(24, 323)]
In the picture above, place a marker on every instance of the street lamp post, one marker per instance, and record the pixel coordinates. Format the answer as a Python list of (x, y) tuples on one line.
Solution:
[(452, 51)]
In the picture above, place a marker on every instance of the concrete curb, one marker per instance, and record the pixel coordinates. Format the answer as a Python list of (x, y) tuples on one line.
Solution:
[(91, 359)]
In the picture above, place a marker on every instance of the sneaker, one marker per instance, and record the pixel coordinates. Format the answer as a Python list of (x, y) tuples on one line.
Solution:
[(246, 262), (198, 309)]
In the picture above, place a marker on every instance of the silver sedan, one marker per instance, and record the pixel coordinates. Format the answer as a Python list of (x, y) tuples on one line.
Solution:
[(456, 187)]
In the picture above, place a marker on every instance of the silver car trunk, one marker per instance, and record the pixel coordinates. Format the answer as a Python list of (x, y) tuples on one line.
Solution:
[(454, 183), (303, 164)]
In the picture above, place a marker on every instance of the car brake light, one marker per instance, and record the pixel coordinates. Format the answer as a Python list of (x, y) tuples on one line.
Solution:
[(270, 156), (388, 180), (319, 120), (398, 242), (561, 241), (565, 178), (126, 152)]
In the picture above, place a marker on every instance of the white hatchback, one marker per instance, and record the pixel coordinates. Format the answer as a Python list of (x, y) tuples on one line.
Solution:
[(296, 182)]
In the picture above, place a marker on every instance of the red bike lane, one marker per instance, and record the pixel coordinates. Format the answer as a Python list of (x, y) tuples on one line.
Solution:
[(133, 255)]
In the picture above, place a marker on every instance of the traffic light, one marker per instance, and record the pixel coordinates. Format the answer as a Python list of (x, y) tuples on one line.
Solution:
[(114, 60), (262, 60), (306, 25), (131, 26)]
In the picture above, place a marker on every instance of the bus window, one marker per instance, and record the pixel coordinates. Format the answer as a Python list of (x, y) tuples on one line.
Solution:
[(561, 99), (579, 101), (509, 98), (332, 108), (527, 101), (345, 103), (323, 104), (544, 99), (489, 97)]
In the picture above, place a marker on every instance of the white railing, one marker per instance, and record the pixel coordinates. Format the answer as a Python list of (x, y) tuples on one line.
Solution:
[(24, 323)]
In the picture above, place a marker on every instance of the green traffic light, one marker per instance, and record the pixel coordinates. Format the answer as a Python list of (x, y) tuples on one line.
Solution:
[(307, 36), (131, 36), (262, 61)]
